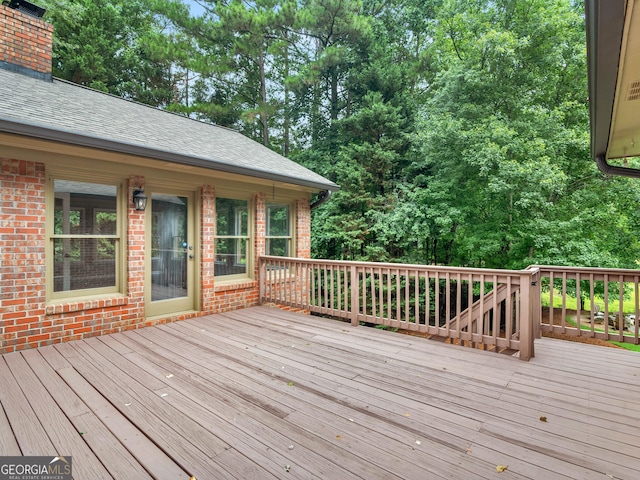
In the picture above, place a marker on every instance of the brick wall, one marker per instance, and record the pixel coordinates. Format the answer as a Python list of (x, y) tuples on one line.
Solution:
[(303, 228), (26, 321), (22, 256), (207, 248), (260, 229), (26, 41), (135, 242), (233, 296)]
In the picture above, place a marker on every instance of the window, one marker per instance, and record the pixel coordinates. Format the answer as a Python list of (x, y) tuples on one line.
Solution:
[(85, 241), (278, 230), (232, 237)]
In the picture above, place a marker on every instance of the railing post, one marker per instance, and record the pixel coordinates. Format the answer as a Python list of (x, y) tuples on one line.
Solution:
[(526, 316), (537, 305), (355, 295), (262, 273)]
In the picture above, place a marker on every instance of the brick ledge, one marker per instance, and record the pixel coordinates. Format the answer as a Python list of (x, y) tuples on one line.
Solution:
[(235, 285), (83, 305)]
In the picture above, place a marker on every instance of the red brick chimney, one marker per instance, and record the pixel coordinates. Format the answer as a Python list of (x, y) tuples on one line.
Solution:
[(25, 39)]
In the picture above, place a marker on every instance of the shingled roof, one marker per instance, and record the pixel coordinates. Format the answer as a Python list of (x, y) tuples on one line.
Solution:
[(69, 113)]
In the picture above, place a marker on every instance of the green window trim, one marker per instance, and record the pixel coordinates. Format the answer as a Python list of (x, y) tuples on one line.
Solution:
[(279, 237), (85, 249), (233, 242)]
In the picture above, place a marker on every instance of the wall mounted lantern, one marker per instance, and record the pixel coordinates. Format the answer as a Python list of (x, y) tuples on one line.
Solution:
[(139, 200)]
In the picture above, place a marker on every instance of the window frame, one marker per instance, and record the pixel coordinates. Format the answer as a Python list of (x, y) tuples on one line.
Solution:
[(120, 244), (290, 224), (248, 238)]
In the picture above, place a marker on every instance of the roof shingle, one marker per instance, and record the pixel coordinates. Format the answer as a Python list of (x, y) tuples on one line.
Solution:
[(70, 113)]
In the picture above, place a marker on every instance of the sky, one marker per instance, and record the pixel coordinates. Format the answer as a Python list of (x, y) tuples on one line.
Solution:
[(194, 7)]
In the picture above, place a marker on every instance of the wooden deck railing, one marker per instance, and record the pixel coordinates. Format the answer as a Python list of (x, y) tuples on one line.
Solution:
[(590, 302), (480, 307)]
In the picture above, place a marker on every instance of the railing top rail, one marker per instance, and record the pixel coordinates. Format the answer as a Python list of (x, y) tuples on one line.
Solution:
[(405, 266), (599, 270)]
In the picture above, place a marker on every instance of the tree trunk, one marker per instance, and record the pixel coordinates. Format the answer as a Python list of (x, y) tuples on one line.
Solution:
[(264, 117), (334, 93), (287, 110)]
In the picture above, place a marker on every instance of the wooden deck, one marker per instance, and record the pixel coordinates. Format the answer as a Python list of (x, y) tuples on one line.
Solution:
[(262, 393)]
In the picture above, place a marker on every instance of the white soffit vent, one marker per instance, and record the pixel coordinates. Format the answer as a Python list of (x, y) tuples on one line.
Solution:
[(624, 133), (634, 91)]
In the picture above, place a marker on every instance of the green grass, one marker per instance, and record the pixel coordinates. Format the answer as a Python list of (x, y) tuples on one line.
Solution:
[(628, 305), (599, 328), (628, 346)]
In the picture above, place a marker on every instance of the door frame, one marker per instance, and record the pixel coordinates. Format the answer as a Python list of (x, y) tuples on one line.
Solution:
[(191, 301)]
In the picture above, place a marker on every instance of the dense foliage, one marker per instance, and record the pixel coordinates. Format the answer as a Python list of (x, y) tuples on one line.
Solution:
[(457, 129)]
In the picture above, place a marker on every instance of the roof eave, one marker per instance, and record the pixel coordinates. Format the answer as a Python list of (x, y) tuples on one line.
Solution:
[(39, 132), (605, 25)]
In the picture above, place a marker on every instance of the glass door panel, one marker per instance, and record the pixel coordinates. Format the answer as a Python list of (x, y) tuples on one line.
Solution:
[(172, 253)]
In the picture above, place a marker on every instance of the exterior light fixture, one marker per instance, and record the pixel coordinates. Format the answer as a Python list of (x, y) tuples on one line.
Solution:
[(139, 200)]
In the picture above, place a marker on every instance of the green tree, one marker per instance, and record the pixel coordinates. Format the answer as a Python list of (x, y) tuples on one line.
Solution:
[(109, 45), (331, 31), (457, 129), (505, 165), (369, 147)]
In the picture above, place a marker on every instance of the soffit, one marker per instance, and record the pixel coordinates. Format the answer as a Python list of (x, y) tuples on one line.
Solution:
[(624, 135)]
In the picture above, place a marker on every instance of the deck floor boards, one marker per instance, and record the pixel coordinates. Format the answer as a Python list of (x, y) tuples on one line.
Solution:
[(263, 393), (59, 427), (29, 432)]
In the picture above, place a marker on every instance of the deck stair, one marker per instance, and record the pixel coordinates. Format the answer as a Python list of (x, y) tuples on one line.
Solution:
[(479, 309)]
